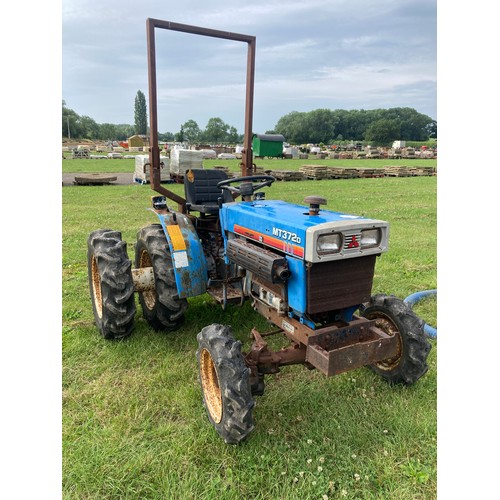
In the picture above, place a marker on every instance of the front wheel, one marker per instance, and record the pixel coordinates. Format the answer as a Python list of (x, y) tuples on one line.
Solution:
[(396, 318), (225, 383)]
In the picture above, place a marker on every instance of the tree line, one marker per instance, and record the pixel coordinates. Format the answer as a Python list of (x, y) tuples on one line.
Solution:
[(379, 127), (216, 131)]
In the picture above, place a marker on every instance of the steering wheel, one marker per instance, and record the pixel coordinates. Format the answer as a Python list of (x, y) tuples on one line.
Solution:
[(248, 185)]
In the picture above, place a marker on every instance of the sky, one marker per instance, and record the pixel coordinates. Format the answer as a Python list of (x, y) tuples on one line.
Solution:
[(334, 54)]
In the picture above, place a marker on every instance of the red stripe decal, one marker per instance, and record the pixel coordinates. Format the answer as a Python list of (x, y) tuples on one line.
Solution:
[(282, 245)]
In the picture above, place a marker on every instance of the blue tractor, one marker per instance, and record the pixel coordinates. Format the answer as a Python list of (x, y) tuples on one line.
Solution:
[(307, 270)]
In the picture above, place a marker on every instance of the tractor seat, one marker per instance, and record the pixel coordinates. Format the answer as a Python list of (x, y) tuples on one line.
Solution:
[(201, 191)]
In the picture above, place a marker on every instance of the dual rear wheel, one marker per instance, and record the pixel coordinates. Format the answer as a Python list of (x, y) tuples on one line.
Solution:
[(112, 286)]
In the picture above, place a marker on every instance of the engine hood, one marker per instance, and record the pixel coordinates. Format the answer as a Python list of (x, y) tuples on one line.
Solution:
[(289, 228)]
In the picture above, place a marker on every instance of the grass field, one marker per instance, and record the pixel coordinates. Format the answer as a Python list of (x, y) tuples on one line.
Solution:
[(70, 165), (133, 422)]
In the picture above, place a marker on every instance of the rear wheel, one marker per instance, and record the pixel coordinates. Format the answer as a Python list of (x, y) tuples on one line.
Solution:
[(396, 318), (111, 283), (162, 307), (225, 383)]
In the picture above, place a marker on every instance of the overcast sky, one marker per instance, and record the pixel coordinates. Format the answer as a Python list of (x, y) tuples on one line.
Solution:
[(335, 54)]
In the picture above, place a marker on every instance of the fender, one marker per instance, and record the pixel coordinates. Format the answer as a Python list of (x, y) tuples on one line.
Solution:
[(188, 260)]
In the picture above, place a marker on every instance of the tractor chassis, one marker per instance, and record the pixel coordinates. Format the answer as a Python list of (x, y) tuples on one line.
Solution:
[(333, 349)]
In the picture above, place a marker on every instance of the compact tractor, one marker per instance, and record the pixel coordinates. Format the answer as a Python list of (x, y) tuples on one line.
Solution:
[(307, 270)]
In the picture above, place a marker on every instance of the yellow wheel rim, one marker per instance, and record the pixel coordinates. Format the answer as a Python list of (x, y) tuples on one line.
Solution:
[(386, 325), (210, 386), (96, 287)]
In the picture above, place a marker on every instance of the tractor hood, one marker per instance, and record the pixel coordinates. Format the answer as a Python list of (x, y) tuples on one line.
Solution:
[(290, 228)]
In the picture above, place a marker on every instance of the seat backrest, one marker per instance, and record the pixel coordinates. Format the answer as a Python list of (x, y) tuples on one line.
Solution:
[(200, 186)]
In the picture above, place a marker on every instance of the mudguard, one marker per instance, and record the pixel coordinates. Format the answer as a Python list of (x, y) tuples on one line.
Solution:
[(188, 260)]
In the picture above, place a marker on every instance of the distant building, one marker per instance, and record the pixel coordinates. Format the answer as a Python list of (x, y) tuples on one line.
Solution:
[(138, 141)]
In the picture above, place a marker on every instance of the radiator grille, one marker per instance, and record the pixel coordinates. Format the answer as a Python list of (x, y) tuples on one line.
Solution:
[(339, 284)]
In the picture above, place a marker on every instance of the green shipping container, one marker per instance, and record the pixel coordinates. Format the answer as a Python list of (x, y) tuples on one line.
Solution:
[(268, 145)]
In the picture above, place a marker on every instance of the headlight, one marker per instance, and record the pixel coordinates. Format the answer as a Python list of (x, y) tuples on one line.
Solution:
[(370, 238), (329, 243)]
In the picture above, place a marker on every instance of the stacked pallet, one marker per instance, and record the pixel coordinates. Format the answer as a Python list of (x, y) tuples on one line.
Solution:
[(425, 154), (316, 172), (287, 175), (408, 153), (224, 169), (422, 171), (343, 173), (397, 171), (359, 155), (369, 173)]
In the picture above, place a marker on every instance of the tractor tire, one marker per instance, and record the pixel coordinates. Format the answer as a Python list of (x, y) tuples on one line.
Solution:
[(111, 284), (162, 308), (395, 317), (225, 383)]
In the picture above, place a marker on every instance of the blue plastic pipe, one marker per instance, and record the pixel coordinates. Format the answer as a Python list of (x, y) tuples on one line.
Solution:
[(412, 299)]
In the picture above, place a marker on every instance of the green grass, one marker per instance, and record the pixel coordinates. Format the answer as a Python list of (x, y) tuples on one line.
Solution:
[(112, 165), (133, 421)]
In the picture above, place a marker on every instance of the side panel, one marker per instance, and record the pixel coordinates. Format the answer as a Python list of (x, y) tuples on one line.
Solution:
[(188, 259), (296, 289)]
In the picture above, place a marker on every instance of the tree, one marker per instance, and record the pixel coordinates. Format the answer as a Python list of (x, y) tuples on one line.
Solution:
[(107, 131), (191, 132), (216, 131), (70, 125), (382, 132), (179, 137), (232, 135), (320, 125), (166, 136), (291, 127), (432, 130), (140, 114), (124, 131), (89, 127)]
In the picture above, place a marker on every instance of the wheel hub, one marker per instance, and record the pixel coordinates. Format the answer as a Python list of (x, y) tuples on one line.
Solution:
[(149, 296)]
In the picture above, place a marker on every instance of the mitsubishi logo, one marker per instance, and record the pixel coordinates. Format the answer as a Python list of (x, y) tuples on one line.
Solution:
[(354, 242)]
